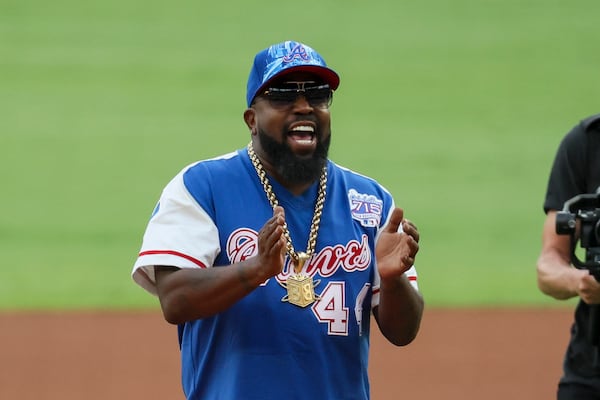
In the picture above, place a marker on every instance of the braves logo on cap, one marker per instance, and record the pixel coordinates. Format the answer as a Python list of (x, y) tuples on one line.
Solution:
[(298, 51), (286, 57)]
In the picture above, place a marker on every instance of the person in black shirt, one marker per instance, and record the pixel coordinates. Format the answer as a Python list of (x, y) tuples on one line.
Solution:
[(576, 170)]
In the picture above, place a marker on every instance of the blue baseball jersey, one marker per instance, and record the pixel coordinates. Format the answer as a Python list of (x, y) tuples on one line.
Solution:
[(264, 347)]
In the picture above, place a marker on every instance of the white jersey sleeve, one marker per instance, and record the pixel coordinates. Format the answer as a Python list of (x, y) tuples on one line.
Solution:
[(180, 233)]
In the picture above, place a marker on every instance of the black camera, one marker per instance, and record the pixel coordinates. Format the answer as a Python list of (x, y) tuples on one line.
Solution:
[(580, 219)]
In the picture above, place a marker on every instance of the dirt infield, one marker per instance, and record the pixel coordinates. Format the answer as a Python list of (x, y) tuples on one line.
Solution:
[(466, 354)]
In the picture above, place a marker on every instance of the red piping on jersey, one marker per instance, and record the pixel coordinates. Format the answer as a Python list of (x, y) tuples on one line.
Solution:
[(174, 253)]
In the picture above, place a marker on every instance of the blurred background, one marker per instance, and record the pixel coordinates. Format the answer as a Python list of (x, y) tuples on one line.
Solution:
[(456, 107)]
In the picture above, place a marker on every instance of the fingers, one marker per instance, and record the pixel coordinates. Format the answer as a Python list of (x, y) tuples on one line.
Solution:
[(279, 214), (278, 211), (270, 237), (395, 220), (413, 248), (412, 241), (588, 288), (409, 228), (408, 261)]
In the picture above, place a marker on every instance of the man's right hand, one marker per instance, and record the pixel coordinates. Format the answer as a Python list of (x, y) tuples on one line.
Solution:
[(588, 287), (272, 244)]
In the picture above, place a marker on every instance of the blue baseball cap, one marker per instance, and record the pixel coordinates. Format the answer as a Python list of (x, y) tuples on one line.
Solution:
[(283, 58)]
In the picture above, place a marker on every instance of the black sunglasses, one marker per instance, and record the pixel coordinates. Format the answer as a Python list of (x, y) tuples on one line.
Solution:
[(319, 96)]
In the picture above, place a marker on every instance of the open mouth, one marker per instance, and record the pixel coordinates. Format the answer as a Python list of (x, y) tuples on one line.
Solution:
[(302, 136)]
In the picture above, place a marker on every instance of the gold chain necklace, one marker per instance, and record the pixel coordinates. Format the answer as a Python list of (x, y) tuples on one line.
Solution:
[(300, 286)]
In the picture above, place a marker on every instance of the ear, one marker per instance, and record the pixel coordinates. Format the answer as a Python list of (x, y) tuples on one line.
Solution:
[(250, 119)]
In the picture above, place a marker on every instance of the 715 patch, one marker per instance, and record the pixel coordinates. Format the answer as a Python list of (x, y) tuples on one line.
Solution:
[(365, 208)]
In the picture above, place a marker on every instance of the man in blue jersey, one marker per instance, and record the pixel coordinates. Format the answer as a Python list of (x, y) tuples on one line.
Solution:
[(271, 259)]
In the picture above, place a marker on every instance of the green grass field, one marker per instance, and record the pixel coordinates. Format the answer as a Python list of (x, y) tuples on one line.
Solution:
[(457, 107)]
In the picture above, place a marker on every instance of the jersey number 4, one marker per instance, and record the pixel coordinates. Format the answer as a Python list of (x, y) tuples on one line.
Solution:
[(331, 308)]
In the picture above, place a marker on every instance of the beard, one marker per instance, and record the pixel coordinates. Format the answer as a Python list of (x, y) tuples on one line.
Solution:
[(289, 166)]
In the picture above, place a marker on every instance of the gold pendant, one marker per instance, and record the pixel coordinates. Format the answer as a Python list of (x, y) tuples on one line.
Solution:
[(301, 290), (300, 286)]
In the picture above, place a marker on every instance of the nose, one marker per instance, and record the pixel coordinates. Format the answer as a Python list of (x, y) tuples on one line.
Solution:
[(302, 104)]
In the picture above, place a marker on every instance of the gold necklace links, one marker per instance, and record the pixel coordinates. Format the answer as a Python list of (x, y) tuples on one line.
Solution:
[(316, 220)]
